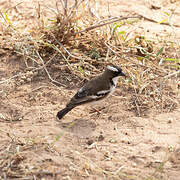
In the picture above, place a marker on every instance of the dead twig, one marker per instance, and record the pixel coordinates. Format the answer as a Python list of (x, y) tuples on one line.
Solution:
[(119, 18), (35, 69), (151, 20), (71, 55), (6, 80), (170, 75), (49, 76), (15, 6), (110, 22)]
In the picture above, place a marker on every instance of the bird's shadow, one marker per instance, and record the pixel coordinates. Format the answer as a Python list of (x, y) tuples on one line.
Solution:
[(80, 127)]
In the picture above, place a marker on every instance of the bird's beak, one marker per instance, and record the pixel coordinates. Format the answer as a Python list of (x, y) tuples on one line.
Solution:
[(122, 74)]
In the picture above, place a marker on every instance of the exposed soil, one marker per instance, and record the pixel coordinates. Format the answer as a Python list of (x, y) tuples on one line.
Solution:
[(115, 144)]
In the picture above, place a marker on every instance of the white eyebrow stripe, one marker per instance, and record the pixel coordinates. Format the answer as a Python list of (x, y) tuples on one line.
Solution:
[(112, 68)]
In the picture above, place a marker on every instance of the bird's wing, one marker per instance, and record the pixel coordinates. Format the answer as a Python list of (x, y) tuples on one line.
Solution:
[(86, 95)]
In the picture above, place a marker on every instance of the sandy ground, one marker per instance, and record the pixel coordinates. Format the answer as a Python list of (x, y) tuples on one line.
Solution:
[(115, 144)]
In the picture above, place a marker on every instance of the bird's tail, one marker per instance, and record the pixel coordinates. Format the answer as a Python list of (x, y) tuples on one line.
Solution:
[(64, 111)]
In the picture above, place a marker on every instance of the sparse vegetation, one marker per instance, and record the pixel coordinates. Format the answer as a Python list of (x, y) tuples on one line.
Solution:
[(67, 42)]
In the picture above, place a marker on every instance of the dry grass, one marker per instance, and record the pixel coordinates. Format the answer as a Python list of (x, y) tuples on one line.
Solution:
[(82, 47)]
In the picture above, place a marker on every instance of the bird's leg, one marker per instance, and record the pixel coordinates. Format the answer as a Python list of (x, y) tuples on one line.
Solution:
[(94, 110)]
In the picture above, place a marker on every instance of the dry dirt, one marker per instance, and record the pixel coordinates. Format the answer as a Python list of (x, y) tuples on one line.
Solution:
[(115, 144)]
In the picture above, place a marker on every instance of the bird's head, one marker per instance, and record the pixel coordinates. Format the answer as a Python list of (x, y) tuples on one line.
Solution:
[(114, 71)]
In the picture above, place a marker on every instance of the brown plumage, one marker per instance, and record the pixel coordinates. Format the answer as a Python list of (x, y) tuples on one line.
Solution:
[(94, 90)]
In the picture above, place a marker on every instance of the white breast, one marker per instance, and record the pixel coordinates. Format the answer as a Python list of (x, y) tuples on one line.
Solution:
[(115, 80)]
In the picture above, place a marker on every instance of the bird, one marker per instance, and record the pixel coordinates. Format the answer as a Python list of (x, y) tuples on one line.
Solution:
[(94, 90)]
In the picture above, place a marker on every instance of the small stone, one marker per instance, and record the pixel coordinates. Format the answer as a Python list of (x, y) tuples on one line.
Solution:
[(134, 164), (110, 118), (89, 142), (169, 120), (101, 137), (113, 141), (28, 79)]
